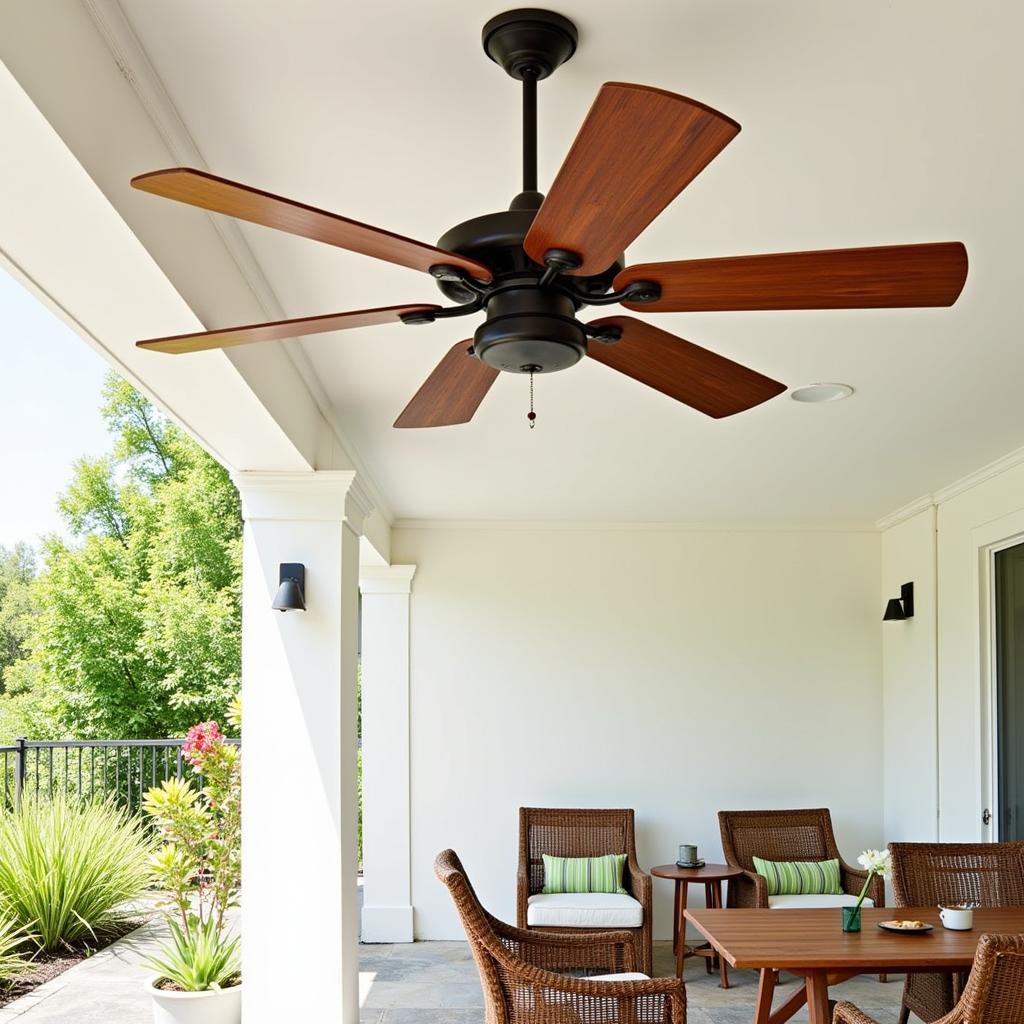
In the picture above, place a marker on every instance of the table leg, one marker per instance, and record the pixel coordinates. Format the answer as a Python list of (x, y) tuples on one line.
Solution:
[(681, 929), (675, 917), (709, 901), (723, 970), (802, 994), (791, 1005), (765, 991), (817, 998)]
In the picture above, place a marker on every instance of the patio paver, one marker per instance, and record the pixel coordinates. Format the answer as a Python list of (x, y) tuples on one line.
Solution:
[(106, 987), (420, 983)]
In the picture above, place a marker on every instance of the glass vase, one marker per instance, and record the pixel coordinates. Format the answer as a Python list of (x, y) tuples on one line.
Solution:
[(851, 919)]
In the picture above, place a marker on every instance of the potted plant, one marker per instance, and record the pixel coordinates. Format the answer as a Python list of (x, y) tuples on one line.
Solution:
[(197, 976)]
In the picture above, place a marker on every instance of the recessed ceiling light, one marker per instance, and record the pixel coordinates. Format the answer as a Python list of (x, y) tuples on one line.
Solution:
[(821, 393)]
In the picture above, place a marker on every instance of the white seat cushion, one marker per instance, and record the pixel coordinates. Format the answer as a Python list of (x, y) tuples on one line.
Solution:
[(815, 902), (584, 910), (551, 996)]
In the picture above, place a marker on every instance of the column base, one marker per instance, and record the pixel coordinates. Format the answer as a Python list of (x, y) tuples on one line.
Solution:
[(387, 924)]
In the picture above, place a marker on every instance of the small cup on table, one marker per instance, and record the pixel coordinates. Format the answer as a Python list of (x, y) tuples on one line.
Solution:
[(957, 918)]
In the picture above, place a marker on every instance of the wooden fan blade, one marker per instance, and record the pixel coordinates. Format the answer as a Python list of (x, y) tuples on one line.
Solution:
[(452, 393), (219, 195), (879, 277), (686, 372), (637, 150), (178, 344)]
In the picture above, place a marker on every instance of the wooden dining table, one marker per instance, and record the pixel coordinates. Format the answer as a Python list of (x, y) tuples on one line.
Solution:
[(810, 943)]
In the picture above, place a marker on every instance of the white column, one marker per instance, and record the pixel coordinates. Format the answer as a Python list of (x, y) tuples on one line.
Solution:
[(387, 892), (299, 894)]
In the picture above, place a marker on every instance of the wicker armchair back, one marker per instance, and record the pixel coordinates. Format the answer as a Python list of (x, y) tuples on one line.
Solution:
[(776, 835), (571, 833), (804, 834), (925, 874)]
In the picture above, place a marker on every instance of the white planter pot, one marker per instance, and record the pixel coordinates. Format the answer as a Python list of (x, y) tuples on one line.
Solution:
[(215, 1007)]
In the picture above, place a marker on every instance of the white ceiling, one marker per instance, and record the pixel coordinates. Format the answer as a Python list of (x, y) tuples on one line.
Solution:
[(867, 123)]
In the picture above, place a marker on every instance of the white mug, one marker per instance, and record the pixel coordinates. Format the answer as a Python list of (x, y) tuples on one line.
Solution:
[(958, 919)]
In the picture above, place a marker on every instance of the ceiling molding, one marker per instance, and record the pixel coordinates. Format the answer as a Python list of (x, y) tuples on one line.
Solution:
[(524, 525), (136, 68), (908, 511), (943, 494), (979, 476)]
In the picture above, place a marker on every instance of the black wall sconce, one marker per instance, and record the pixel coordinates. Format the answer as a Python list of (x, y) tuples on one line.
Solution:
[(901, 607), (291, 594)]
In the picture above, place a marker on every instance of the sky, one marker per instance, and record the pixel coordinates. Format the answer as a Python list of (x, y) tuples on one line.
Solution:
[(50, 382)]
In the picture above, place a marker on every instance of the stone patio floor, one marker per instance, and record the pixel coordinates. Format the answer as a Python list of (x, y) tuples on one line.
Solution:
[(419, 983), (437, 983)]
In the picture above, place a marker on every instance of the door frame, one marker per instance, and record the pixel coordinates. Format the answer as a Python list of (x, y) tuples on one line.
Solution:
[(989, 745)]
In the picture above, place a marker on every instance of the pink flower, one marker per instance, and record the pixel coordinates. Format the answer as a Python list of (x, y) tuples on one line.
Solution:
[(200, 741)]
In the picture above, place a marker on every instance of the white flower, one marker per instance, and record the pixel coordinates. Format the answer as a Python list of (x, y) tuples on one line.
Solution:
[(876, 862)]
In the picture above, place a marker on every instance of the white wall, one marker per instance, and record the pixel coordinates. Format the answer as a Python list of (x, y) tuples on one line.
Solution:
[(936, 695), (675, 672), (909, 666)]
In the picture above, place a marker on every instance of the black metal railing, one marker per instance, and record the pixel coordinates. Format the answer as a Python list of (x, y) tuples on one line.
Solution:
[(121, 770)]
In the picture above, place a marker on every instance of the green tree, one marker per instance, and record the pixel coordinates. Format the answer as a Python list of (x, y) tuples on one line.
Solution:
[(137, 619), (17, 570)]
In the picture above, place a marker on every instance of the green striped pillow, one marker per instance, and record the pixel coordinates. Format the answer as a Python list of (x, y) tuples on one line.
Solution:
[(800, 878), (584, 874)]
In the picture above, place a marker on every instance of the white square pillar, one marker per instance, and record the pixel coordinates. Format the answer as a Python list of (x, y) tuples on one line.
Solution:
[(299, 893), (387, 885)]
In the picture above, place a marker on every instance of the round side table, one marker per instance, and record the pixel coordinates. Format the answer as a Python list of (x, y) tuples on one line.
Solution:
[(711, 877)]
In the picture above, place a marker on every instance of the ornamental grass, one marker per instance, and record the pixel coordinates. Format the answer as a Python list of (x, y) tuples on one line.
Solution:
[(12, 948), (66, 868)]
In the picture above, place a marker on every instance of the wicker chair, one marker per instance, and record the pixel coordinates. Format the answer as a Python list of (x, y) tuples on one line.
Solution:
[(994, 994), (787, 836), (925, 874), (580, 833), (520, 986)]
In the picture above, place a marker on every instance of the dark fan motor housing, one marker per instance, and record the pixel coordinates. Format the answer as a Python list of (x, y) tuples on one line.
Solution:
[(529, 328)]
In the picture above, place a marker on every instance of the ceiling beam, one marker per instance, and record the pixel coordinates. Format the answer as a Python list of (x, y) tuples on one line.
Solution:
[(88, 121)]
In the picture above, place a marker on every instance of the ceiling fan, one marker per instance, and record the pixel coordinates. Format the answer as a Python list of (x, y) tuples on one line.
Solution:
[(531, 268)]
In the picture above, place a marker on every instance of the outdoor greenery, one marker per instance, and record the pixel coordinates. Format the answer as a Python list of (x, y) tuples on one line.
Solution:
[(199, 864), (17, 570), (127, 626), (199, 957), (132, 626), (67, 866), (12, 964)]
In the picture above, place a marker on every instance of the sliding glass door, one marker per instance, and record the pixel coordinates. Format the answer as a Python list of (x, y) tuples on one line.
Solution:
[(1009, 703)]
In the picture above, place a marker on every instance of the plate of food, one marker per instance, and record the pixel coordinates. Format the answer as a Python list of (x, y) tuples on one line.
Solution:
[(904, 926)]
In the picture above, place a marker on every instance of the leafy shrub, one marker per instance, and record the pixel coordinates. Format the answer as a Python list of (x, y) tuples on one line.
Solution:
[(199, 864), (12, 963), (66, 866), (203, 957)]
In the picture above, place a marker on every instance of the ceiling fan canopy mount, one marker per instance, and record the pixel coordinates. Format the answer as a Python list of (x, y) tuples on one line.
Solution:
[(531, 268), (529, 42)]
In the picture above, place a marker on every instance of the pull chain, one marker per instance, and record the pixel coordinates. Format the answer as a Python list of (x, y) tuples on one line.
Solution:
[(531, 415)]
